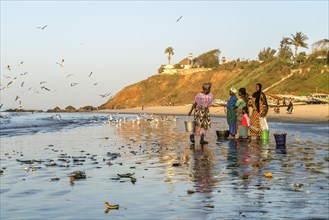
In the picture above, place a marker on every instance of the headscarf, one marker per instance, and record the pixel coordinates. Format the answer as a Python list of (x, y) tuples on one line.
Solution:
[(257, 95)]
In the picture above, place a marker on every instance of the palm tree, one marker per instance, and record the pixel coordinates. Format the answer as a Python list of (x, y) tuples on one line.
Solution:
[(170, 52), (298, 40)]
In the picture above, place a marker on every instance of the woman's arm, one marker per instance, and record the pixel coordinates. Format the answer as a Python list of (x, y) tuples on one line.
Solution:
[(192, 108)]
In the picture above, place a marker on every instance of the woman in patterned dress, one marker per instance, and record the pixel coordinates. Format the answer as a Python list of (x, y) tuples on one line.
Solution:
[(201, 104), (260, 109)]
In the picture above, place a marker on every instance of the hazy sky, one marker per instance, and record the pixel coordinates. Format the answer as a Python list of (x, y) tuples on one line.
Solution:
[(123, 42)]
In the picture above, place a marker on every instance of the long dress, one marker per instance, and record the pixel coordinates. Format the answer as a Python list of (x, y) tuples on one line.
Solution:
[(201, 114), (231, 115), (255, 127)]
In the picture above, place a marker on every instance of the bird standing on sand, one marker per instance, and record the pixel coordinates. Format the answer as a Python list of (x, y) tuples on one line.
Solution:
[(179, 18), (61, 64)]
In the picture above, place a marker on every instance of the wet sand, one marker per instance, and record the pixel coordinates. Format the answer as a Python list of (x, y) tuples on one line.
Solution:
[(174, 180), (302, 113)]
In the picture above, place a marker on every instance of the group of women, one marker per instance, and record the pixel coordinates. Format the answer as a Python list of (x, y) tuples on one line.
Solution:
[(237, 112)]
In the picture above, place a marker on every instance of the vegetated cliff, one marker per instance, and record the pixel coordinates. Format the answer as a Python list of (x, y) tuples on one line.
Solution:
[(181, 89)]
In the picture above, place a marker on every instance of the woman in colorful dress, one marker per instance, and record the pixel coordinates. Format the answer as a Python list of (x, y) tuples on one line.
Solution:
[(260, 109), (231, 114), (202, 102)]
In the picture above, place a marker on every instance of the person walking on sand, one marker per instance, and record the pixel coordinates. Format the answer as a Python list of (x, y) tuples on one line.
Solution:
[(231, 114), (260, 109), (202, 102), (290, 107)]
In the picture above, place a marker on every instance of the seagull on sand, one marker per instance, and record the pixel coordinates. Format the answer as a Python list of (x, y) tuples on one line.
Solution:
[(179, 18), (43, 27), (61, 64)]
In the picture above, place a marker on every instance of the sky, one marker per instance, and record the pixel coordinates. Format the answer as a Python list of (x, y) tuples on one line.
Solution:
[(108, 45)]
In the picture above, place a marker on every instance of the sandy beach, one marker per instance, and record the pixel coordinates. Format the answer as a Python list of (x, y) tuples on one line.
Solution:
[(302, 113), (172, 179)]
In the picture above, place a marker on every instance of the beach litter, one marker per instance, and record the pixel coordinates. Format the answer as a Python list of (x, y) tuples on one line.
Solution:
[(78, 175), (268, 175), (126, 175), (108, 206)]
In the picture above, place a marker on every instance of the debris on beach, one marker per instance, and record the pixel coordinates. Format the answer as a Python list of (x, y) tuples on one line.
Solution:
[(108, 206), (78, 175), (190, 191), (268, 175), (126, 175), (54, 179), (209, 206)]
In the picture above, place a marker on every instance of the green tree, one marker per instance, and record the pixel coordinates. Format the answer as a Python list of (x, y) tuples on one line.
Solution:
[(209, 59), (170, 52), (320, 45), (285, 51), (298, 40), (266, 54)]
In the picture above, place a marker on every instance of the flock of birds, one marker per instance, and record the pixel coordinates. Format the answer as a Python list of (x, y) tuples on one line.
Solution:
[(12, 78), (43, 83)]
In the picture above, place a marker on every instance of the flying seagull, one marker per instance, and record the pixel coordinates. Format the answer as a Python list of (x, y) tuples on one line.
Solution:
[(74, 83), (105, 95), (43, 87), (43, 27), (22, 74), (179, 18), (42, 82), (8, 67), (69, 75), (90, 74), (17, 97), (22, 84), (61, 63), (21, 63), (1, 105)]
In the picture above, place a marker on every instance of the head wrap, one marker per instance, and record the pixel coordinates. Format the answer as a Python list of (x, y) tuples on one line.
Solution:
[(257, 95), (233, 90)]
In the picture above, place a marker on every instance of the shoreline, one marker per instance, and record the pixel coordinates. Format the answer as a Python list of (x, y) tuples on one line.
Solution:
[(317, 113)]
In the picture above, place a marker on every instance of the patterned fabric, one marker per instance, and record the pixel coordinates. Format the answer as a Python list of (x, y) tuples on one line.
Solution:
[(255, 127), (231, 114), (201, 114), (239, 104)]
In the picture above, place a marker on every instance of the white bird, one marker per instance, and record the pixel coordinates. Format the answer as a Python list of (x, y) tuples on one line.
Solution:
[(22, 74), (95, 84), (17, 97), (43, 27), (61, 64), (43, 87), (21, 63), (8, 67), (22, 84), (69, 75), (179, 18), (42, 82), (90, 74)]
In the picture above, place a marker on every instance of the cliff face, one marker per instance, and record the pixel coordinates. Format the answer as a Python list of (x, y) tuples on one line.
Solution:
[(181, 89)]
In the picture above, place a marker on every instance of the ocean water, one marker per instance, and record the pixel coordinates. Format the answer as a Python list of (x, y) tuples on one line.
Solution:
[(225, 179)]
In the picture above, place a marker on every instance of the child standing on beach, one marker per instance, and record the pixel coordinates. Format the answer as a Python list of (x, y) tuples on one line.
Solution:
[(245, 123)]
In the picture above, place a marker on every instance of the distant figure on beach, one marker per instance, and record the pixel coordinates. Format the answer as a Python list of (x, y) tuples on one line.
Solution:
[(260, 109), (231, 114), (240, 103), (284, 101), (277, 107), (290, 107), (202, 102)]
